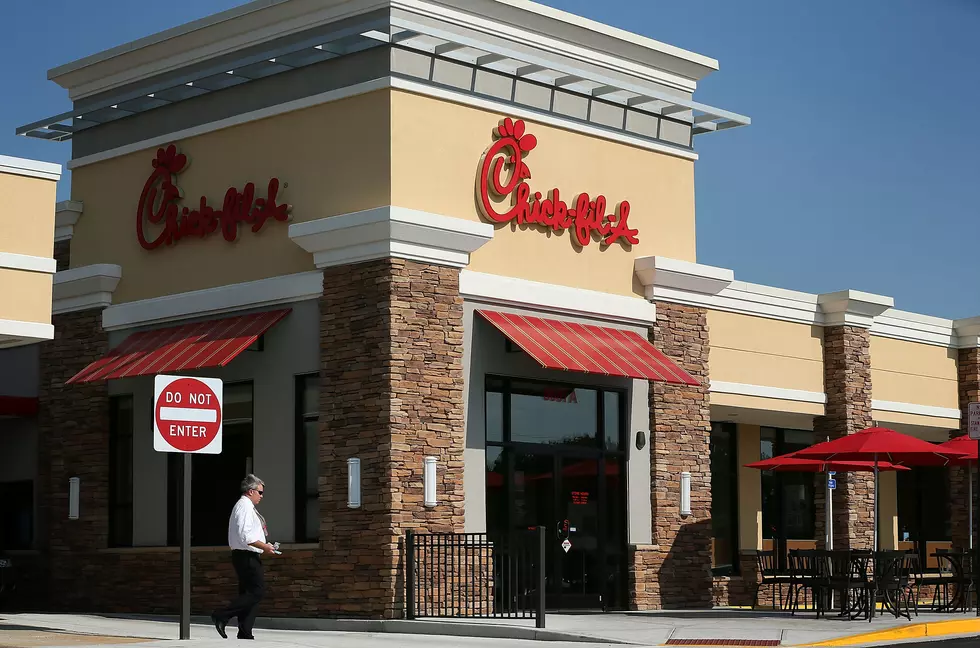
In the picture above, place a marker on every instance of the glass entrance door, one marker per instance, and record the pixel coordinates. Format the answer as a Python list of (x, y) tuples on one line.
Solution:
[(567, 478)]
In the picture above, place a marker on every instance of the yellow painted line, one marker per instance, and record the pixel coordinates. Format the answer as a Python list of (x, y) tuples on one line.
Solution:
[(914, 631)]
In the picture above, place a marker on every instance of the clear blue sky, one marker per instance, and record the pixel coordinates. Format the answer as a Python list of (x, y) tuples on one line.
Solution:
[(860, 169)]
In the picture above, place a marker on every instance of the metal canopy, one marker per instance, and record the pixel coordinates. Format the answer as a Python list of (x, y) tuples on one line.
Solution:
[(279, 58)]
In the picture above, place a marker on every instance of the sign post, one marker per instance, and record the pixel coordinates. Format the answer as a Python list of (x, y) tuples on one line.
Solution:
[(974, 429), (829, 526), (186, 419)]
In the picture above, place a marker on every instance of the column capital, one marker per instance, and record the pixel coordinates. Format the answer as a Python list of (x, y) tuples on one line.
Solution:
[(83, 288), (967, 332), (852, 307), (66, 215), (662, 277), (390, 232)]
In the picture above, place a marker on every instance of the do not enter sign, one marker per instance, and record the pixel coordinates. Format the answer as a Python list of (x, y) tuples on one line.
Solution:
[(187, 414)]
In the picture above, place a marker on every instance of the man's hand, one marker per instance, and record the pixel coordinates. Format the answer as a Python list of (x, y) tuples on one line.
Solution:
[(268, 549)]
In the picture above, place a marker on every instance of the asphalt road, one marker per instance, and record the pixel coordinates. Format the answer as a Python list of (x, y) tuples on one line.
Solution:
[(966, 642)]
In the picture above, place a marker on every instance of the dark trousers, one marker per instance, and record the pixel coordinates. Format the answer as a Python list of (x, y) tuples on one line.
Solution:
[(251, 589)]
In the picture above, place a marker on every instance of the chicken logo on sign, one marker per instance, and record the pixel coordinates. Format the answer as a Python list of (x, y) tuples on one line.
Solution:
[(503, 172)]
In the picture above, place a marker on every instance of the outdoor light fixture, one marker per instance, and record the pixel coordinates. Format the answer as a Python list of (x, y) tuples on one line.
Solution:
[(74, 484), (641, 440), (429, 481), (353, 482), (685, 493)]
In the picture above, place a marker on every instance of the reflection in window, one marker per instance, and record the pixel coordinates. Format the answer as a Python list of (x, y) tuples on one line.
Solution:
[(542, 413), (724, 495), (610, 414), (788, 511), (924, 510), (121, 471), (495, 416), (307, 458)]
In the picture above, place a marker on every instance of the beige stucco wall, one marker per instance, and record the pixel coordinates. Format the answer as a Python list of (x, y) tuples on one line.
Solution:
[(25, 296), (760, 351), (27, 215), (910, 372), (749, 488), (888, 510), (436, 153), (334, 158)]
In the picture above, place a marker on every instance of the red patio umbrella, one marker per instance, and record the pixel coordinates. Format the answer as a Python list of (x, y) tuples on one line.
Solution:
[(879, 444), (968, 446), (793, 463)]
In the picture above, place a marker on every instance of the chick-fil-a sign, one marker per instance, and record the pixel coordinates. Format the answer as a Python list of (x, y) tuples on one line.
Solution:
[(503, 172), (160, 204)]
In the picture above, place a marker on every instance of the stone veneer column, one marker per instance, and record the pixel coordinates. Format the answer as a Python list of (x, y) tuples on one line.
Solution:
[(73, 424), (676, 570), (969, 391), (391, 340), (847, 383)]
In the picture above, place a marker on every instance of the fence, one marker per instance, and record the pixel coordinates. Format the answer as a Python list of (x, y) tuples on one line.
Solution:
[(472, 575)]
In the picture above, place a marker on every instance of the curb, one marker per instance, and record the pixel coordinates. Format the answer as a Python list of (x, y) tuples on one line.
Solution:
[(423, 627), (914, 631)]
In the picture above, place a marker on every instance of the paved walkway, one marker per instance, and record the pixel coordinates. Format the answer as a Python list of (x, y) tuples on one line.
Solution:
[(579, 630)]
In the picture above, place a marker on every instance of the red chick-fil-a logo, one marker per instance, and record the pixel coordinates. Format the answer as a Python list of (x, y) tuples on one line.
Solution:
[(159, 203), (503, 172)]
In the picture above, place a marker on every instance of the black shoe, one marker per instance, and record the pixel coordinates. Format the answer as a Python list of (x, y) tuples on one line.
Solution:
[(248, 637), (219, 625)]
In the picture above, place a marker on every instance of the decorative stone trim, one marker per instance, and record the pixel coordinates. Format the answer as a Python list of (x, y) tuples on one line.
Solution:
[(763, 391), (86, 287), (912, 408), (66, 215), (390, 232), (968, 364), (852, 307)]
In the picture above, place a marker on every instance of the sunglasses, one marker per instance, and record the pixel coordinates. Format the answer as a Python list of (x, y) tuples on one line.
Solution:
[(259, 491)]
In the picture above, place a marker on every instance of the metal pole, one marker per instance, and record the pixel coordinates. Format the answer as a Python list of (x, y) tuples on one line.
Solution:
[(185, 549), (539, 617), (410, 574), (969, 499), (829, 509), (876, 502)]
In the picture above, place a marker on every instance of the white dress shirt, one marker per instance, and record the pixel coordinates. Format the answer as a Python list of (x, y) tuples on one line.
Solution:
[(245, 526)]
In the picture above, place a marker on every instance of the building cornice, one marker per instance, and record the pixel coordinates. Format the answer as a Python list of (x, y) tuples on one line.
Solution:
[(27, 263), (262, 293), (918, 410), (15, 333), (390, 232), (85, 287), (30, 168), (765, 391), (66, 215), (497, 290), (968, 332)]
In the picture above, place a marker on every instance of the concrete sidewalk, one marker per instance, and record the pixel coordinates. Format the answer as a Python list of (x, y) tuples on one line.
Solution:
[(634, 628)]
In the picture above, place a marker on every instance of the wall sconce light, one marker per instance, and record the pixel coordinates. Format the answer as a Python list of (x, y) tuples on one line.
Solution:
[(74, 488), (685, 493), (429, 481), (641, 440), (353, 483)]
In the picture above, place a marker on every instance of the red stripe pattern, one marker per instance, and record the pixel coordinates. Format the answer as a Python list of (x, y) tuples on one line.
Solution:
[(588, 349), (211, 343)]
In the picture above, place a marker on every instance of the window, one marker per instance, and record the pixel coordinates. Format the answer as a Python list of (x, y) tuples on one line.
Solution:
[(307, 458), (215, 479), (924, 511), (121, 471), (724, 498), (17, 515), (788, 511)]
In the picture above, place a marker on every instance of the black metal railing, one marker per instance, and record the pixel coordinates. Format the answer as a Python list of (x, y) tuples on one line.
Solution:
[(473, 575)]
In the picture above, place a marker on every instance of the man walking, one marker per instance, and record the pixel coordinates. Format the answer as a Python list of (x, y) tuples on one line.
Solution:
[(247, 539)]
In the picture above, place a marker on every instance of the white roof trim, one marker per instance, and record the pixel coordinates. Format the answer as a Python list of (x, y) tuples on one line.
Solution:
[(853, 307), (11, 261), (390, 231), (18, 333), (968, 332), (215, 301), (561, 300), (30, 168), (919, 410), (662, 272), (764, 391)]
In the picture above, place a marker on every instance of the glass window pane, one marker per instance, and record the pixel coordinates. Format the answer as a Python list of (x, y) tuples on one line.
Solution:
[(553, 414), (311, 396), (495, 416), (312, 431), (312, 518), (237, 402), (723, 485), (497, 505), (611, 424)]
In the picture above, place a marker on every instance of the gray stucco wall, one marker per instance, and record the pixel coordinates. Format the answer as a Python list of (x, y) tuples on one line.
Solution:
[(484, 354), (292, 347)]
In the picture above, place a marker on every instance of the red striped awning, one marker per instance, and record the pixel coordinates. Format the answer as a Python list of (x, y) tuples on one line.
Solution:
[(18, 406), (586, 348), (211, 343)]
